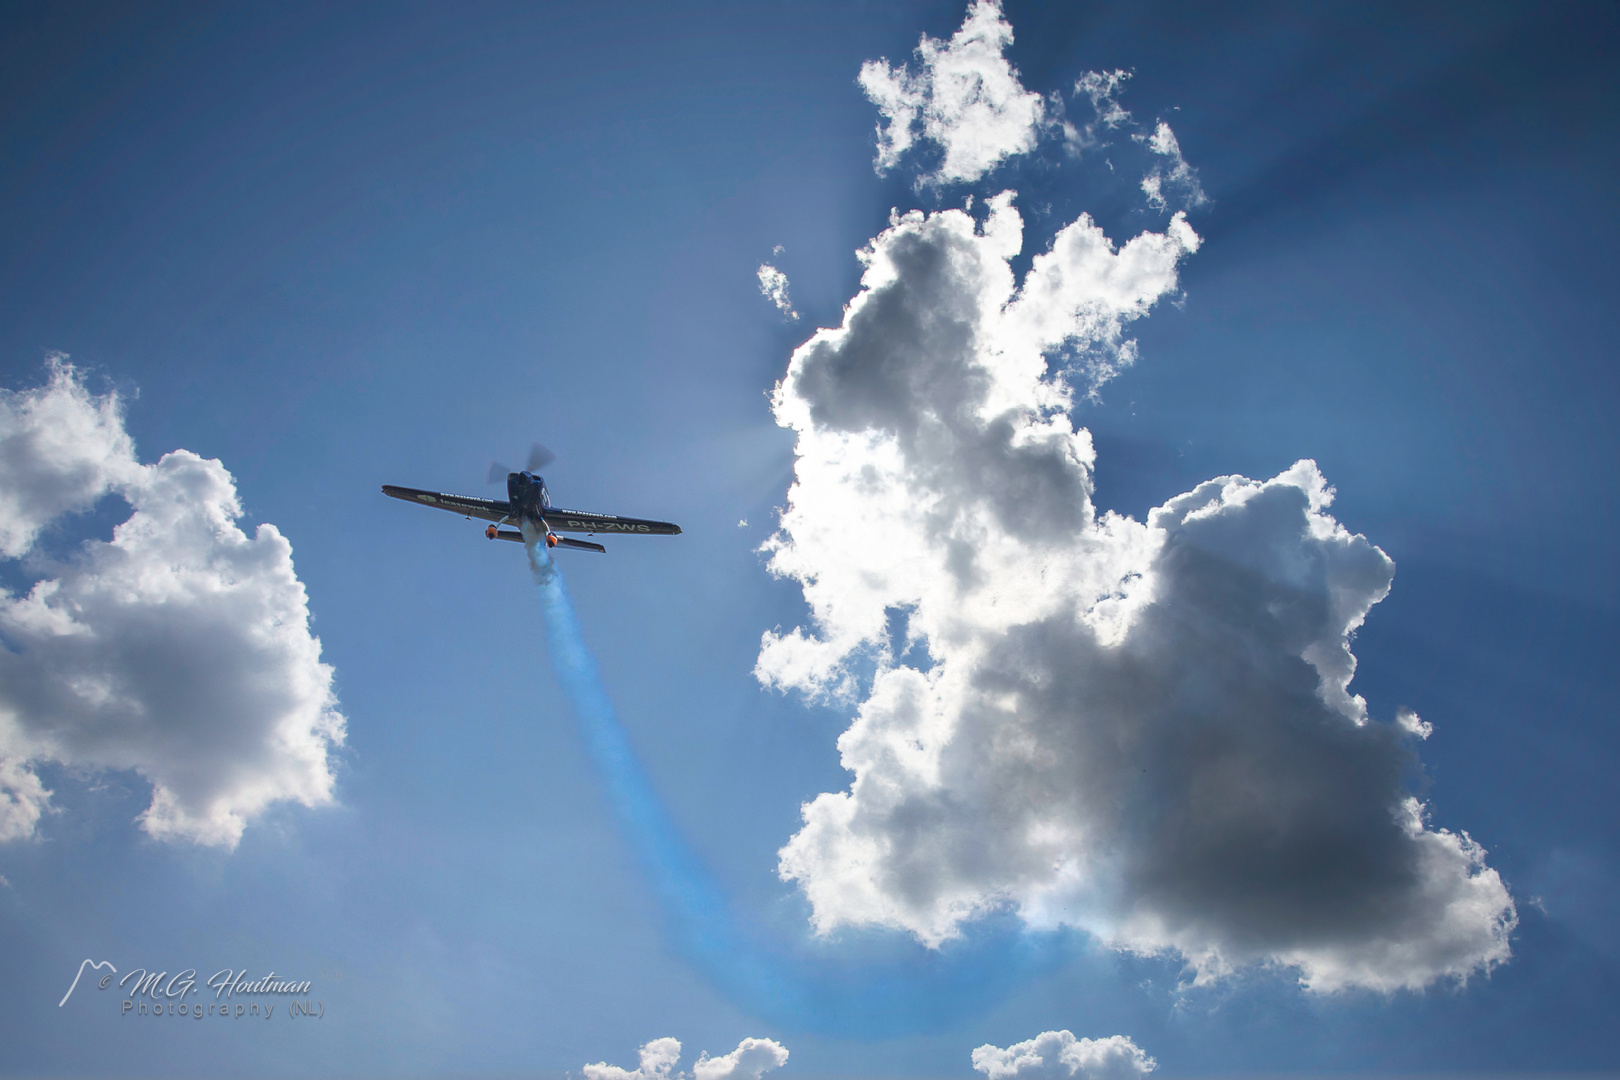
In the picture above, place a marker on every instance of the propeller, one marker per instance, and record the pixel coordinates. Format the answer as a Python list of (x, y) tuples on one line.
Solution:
[(539, 458)]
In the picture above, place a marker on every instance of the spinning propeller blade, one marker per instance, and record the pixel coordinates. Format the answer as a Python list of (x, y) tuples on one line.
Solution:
[(539, 458)]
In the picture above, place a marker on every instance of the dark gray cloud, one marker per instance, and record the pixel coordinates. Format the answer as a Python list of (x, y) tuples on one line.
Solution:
[(1143, 729)]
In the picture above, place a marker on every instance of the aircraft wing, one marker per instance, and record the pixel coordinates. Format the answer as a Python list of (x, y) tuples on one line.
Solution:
[(465, 505), (585, 522)]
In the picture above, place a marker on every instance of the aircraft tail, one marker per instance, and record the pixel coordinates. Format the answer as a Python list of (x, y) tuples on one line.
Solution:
[(560, 541)]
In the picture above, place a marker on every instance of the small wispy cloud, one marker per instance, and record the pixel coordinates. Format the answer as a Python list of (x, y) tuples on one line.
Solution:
[(774, 285), (1177, 178), (1102, 88)]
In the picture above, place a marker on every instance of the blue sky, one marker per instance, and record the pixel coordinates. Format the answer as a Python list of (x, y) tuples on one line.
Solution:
[(339, 248)]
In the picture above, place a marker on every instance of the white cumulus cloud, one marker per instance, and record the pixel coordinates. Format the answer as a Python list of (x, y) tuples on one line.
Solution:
[(658, 1058), (1141, 729), (752, 1059), (773, 284), (965, 98), (60, 451), (23, 800), (962, 95), (180, 649), (1058, 1055)]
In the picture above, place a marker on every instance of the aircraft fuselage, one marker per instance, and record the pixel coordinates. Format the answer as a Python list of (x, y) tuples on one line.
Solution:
[(526, 494)]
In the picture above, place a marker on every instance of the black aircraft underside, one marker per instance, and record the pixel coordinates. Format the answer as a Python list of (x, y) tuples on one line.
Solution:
[(551, 519)]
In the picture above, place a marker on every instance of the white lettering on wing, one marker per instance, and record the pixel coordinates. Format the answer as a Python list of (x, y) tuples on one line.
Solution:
[(607, 526)]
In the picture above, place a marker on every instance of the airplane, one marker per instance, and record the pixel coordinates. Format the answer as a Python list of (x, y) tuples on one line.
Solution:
[(528, 502)]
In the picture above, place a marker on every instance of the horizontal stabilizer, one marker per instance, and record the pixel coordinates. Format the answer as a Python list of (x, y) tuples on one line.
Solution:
[(562, 541)]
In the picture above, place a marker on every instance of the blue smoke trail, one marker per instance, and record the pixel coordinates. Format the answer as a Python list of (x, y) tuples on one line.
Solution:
[(907, 988), (702, 919)]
